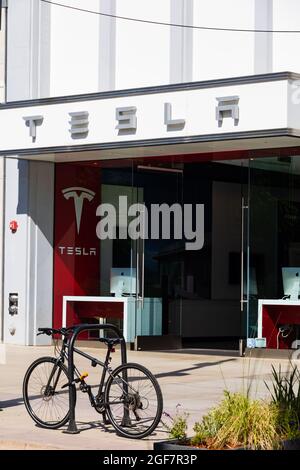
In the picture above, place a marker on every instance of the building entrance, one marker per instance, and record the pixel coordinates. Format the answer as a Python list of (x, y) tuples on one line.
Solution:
[(180, 272)]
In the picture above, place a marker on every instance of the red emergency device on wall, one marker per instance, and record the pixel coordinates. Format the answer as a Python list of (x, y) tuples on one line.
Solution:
[(13, 225)]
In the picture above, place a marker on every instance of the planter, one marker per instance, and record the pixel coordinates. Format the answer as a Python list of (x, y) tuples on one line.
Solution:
[(172, 444), (292, 444), (175, 444)]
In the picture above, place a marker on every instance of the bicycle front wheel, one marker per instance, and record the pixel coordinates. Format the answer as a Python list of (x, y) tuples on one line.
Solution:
[(133, 401), (45, 400)]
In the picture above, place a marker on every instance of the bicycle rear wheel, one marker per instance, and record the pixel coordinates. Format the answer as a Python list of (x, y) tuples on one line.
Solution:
[(133, 401), (45, 400)]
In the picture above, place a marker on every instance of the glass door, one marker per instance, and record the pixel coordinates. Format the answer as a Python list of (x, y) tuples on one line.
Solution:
[(202, 294), (157, 255), (228, 250), (147, 201), (248, 281), (117, 264)]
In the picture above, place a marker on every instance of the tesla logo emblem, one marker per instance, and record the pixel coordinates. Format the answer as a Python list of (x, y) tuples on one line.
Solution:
[(79, 195)]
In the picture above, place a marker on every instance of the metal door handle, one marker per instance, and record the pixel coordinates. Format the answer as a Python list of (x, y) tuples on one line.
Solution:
[(242, 300)]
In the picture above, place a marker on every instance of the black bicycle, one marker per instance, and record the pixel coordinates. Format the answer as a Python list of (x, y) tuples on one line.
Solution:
[(130, 399)]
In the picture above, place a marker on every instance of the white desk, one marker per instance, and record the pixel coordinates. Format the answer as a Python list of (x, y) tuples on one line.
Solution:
[(136, 320), (100, 299), (272, 302)]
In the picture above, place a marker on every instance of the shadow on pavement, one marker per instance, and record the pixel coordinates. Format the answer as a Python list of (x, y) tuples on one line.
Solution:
[(204, 352), (11, 403), (182, 372)]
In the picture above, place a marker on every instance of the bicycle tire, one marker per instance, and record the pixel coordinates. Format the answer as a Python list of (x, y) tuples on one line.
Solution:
[(28, 400), (131, 431)]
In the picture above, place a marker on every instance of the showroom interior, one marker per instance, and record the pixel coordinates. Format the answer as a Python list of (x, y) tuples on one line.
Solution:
[(209, 297)]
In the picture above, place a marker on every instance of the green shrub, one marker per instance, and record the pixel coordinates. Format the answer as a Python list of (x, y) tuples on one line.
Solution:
[(178, 427), (286, 388), (238, 421), (285, 394)]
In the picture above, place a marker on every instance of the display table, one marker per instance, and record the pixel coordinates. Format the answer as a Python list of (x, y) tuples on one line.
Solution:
[(272, 314), (139, 320)]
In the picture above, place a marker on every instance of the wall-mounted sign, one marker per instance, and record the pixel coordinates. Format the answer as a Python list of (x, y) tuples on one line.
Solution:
[(76, 246), (120, 119)]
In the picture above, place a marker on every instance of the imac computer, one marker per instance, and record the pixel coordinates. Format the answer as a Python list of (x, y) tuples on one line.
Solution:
[(291, 282), (123, 281)]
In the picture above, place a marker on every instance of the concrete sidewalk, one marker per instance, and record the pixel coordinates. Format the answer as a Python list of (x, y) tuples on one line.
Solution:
[(193, 380)]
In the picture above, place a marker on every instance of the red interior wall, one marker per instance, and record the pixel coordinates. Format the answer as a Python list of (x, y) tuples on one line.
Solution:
[(275, 316), (75, 274)]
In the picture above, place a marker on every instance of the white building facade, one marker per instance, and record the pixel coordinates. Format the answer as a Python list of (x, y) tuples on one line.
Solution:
[(2, 100), (235, 150)]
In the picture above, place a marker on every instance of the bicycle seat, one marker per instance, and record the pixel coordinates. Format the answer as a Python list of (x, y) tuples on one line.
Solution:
[(110, 342)]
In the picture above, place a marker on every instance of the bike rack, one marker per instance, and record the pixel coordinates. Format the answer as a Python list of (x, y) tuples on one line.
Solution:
[(72, 427)]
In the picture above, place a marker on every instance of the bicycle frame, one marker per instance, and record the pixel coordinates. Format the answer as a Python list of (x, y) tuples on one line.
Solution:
[(105, 370)]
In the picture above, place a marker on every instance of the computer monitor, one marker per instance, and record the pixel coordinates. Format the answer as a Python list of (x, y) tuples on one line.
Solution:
[(291, 282), (123, 281)]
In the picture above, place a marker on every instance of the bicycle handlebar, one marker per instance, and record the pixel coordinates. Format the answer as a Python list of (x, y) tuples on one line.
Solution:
[(52, 331), (78, 328)]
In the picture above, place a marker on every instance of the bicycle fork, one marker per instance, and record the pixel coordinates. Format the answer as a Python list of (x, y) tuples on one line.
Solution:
[(49, 389)]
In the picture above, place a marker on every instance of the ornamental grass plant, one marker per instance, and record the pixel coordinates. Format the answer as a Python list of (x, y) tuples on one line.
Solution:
[(285, 396), (240, 421)]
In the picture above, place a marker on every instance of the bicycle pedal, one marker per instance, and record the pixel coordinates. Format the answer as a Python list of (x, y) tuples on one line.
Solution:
[(106, 420)]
